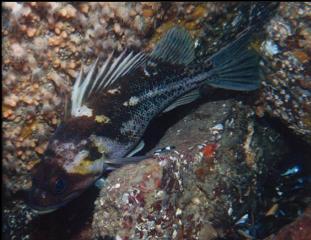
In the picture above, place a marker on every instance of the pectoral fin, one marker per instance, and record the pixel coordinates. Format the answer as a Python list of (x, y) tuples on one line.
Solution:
[(112, 164)]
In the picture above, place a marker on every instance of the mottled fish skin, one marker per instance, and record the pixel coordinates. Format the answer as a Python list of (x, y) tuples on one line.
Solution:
[(108, 126), (138, 98), (113, 103), (119, 118)]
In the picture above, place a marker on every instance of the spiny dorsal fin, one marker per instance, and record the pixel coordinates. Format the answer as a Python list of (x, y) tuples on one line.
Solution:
[(67, 107), (100, 79), (175, 47), (185, 99)]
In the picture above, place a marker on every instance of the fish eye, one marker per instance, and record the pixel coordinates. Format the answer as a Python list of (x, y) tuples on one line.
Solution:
[(59, 185)]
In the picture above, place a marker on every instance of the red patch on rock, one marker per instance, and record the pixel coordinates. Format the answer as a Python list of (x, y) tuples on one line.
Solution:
[(141, 199), (201, 173), (157, 182), (298, 230), (127, 222), (209, 150)]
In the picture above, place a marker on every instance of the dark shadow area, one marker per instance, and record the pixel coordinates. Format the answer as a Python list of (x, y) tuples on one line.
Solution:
[(287, 188), (159, 125), (67, 221), (73, 221), (289, 191)]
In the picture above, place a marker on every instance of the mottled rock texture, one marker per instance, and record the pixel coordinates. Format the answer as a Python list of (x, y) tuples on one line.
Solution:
[(44, 46), (197, 190), (286, 91), (298, 230)]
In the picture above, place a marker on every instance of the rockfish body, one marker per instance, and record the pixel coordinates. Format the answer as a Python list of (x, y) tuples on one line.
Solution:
[(113, 103)]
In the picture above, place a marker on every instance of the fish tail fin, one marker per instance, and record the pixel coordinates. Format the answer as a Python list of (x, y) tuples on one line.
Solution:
[(236, 67)]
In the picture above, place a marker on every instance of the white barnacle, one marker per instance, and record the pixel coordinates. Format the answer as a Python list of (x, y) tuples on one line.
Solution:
[(196, 43), (270, 47), (230, 211), (218, 127), (117, 185), (174, 234), (178, 212)]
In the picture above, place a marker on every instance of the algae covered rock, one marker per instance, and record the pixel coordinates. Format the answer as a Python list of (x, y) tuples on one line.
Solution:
[(222, 153), (297, 230), (286, 92), (199, 189)]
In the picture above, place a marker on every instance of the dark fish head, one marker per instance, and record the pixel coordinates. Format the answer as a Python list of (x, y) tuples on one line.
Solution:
[(64, 172), (53, 187)]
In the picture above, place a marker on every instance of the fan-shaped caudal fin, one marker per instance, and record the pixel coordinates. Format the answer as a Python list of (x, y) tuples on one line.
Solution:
[(236, 67)]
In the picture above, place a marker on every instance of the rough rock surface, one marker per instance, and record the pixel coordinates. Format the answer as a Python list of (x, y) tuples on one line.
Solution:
[(199, 189), (200, 185), (16, 218), (298, 230), (44, 46), (287, 49)]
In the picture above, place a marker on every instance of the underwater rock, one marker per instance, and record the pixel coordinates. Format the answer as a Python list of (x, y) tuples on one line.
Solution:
[(297, 230), (16, 217), (71, 222), (286, 94), (203, 187), (44, 46), (198, 189)]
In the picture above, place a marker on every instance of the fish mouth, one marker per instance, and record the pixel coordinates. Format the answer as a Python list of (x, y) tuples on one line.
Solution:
[(39, 211), (50, 208)]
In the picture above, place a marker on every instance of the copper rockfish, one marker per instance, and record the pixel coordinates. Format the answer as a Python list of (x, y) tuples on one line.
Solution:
[(113, 103)]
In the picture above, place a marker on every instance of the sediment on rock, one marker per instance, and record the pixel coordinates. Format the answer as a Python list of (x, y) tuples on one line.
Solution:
[(44, 47), (202, 186), (198, 189), (286, 94)]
